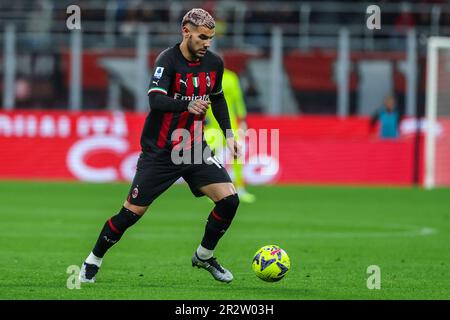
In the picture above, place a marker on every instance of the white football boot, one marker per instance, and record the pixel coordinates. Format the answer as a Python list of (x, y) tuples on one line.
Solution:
[(217, 271), (88, 272)]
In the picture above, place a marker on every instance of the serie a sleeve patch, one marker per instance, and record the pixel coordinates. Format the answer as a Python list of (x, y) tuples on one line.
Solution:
[(158, 72)]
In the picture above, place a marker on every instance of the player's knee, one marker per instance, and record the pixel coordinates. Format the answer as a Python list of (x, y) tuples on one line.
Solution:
[(233, 201), (123, 220), (229, 206), (139, 210)]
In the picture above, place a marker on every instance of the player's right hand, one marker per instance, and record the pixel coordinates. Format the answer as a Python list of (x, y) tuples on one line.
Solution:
[(198, 106)]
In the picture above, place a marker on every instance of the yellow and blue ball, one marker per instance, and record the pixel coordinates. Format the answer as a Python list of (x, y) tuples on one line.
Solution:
[(271, 263)]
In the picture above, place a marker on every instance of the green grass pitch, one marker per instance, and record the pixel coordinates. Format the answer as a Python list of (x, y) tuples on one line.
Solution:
[(332, 234)]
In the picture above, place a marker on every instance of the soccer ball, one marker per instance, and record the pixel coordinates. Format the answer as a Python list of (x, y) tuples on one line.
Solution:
[(271, 263)]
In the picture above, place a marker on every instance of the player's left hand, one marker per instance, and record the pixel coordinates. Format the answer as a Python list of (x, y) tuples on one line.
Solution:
[(235, 147)]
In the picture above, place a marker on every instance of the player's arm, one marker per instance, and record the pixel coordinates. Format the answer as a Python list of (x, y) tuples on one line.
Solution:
[(160, 85), (220, 111), (219, 105)]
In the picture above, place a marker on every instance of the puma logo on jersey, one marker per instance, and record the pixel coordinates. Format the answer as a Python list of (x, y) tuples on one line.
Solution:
[(184, 82), (155, 82)]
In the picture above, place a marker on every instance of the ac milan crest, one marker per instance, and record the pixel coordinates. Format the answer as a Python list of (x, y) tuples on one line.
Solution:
[(135, 193)]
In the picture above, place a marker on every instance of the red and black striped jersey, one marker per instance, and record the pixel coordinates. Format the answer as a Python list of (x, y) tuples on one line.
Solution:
[(182, 81)]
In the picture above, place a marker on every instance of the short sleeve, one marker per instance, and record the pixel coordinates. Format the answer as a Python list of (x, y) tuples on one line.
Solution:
[(162, 74)]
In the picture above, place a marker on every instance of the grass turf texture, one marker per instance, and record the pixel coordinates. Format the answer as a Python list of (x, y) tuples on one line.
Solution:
[(332, 234)]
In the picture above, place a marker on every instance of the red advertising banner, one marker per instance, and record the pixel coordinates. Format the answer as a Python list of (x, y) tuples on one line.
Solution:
[(104, 146)]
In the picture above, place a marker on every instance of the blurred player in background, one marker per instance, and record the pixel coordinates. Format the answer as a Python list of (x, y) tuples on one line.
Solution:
[(388, 117), (186, 77), (238, 112)]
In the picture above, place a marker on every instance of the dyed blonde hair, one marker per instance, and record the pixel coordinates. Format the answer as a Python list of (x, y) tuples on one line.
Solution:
[(199, 17)]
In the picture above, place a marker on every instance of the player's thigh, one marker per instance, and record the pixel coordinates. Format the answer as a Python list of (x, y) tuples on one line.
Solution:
[(218, 191), (209, 178), (152, 178)]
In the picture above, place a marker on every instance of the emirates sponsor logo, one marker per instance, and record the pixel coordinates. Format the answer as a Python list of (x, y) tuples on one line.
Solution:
[(204, 97)]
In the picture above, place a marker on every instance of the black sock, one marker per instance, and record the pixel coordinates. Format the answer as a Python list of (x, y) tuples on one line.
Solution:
[(113, 230), (219, 220)]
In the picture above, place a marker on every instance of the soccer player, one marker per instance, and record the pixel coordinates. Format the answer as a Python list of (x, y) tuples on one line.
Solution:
[(185, 77), (238, 112)]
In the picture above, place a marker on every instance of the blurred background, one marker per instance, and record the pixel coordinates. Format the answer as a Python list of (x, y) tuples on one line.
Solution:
[(357, 123), (75, 100)]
